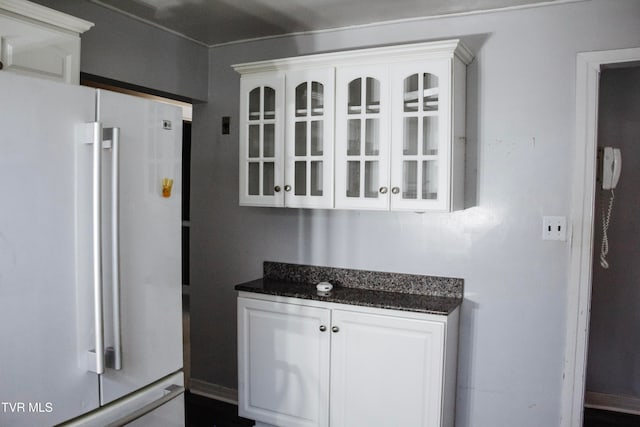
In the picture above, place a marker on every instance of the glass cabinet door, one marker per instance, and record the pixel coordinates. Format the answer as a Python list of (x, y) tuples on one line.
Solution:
[(309, 146), (362, 140), (261, 141), (421, 117)]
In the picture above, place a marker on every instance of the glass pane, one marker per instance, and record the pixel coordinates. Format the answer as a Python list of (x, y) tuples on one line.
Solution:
[(373, 95), (254, 140), (430, 179), (300, 178), (301, 100), (269, 143), (316, 137), (430, 135), (354, 105), (317, 99), (410, 147), (410, 179), (269, 103), (431, 91), (268, 177), (353, 136), (254, 104), (316, 178), (372, 137), (430, 81), (411, 93), (301, 139), (353, 179), (254, 179), (371, 179)]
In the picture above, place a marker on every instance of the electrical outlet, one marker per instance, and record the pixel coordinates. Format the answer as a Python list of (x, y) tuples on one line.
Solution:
[(554, 228)]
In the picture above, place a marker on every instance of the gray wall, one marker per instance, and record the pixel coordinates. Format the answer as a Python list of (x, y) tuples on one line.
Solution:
[(123, 49), (521, 123), (614, 339)]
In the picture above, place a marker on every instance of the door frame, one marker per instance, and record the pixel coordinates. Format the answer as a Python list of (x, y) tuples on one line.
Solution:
[(588, 69)]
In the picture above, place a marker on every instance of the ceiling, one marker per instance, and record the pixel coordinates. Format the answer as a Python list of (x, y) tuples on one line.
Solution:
[(213, 22)]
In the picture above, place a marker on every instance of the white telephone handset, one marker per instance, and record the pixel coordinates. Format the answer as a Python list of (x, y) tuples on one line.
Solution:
[(611, 169)]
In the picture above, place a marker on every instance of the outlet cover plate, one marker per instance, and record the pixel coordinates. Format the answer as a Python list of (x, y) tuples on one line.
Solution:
[(554, 228)]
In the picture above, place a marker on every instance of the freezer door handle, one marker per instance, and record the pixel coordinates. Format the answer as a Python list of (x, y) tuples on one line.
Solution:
[(112, 135), (92, 134), (169, 393)]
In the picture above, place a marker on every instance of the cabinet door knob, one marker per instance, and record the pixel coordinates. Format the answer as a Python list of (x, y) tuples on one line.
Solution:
[(287, 188), (276, 189), (383, 190), (323, 328), (395, 190), (335, 329)]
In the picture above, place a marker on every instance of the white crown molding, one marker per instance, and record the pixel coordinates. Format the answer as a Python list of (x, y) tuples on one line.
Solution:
[(36, 12), (331, 30), (395, 53), (395, 22)]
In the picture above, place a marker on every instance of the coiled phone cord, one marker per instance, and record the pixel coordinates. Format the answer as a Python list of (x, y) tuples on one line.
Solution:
[(604, 249)]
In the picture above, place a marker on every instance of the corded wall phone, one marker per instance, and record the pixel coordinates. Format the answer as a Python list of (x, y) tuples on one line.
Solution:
[(611, 167), (611, 163)]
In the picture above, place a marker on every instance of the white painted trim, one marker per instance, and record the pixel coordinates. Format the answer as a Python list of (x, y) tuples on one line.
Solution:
[(146, 21), (583, 193), (44, 14), (213, 391), (610, 402), (388, 54), (396, 21), (337, 29)]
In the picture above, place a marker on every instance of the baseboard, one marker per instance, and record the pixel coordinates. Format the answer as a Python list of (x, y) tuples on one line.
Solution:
[(213, 391), (610, 402)]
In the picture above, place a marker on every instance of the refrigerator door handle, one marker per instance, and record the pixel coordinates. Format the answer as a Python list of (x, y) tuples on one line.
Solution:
[(91, 133), (114, 361)]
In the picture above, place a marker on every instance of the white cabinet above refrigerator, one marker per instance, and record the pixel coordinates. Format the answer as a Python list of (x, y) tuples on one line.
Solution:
[(40, 42)]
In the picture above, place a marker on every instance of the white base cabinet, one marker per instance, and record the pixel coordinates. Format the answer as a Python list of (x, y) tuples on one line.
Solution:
[(304, 363)]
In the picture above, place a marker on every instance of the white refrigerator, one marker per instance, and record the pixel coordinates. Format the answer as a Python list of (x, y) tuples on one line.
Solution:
[(90, 283)]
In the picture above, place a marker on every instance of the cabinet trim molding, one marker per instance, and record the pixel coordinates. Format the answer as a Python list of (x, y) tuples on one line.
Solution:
[(446, 49), (41, 14)]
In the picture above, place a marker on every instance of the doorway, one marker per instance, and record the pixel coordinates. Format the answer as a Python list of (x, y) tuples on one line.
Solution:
[(613, 362), (588, 71)]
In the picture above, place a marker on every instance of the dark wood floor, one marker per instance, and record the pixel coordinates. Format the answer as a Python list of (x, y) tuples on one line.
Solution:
[(204, 412), (599, 418)]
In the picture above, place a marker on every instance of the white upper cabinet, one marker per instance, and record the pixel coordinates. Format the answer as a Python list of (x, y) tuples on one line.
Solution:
[(398, 140), (422, 136), (286, 139), (363, 110), (262, 140), (40, 42), (308, 168)]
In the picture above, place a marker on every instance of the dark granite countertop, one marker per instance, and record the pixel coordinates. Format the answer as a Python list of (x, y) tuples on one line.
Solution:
[(432, 304)]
